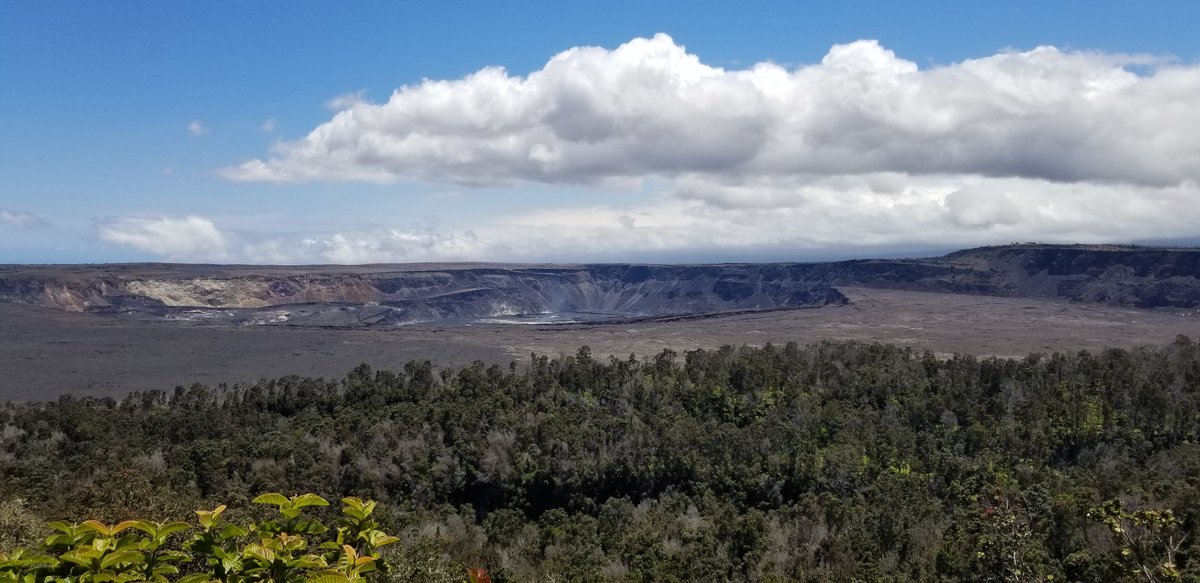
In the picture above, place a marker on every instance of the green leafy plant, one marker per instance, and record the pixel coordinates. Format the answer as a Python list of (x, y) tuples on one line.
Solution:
[(217, 546), (1149, 539), (291, 519), (274, 550), (358, 537), (159, 560), (25, 567)]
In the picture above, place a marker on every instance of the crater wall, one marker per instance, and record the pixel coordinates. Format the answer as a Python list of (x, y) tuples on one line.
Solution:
[(1144, 277)]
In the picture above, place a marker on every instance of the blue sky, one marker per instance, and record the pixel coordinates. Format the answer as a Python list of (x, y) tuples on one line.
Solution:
[(131, 131)]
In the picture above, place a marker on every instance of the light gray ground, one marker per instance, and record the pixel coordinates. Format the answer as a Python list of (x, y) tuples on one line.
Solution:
[(46, 353)]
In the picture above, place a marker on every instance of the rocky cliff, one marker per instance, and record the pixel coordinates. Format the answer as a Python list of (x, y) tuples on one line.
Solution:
[(358, 295), (337, 296)]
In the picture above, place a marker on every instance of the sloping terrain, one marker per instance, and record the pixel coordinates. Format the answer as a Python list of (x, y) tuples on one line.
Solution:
[(352, 296), (336, 296), (45, 352), (112, 328)]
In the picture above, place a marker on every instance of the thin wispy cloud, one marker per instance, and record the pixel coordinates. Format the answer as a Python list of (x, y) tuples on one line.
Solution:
[(197, 129), (20, 220), (346, 100)]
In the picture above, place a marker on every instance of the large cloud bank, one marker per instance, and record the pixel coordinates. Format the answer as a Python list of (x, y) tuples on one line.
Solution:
[(649, 108), (864, 149), (697, 221)]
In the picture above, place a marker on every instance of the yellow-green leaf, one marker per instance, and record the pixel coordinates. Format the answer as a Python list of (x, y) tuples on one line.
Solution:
[(195, 578), (258, 551), (305, 500), (273, 498), (329, 578), (121, 557)]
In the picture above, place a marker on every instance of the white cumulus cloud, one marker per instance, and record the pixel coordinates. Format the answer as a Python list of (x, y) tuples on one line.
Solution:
[(863, 150), (650, 108), (189, 238)]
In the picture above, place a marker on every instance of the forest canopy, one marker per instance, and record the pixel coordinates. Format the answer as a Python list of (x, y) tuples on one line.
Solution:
[(835, 461)]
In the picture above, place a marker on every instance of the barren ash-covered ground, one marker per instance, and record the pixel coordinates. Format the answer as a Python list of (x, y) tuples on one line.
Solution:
[(111, 329)]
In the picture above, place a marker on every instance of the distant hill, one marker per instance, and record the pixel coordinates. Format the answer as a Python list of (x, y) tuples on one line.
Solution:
[(1143, 277)]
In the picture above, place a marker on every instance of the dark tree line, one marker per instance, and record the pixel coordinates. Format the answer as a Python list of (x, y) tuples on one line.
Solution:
[(836, 461)]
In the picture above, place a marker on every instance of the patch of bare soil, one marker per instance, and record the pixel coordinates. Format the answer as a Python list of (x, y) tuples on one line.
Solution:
[(47, 353)]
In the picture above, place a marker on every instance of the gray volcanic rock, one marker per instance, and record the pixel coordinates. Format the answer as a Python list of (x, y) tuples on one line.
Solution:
[(369, 296), (464, 293)]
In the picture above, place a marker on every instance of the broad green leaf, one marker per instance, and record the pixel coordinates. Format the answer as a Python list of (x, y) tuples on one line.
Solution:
[(378, 538), (59, 539), (272, 498), (121, 557), (82, 557), (171, 528), (159, 530), (122, 526), (209, 517), (311, 562), (195, 578), (146, 526), (309, 526), (163, 570), (168, 556), (62, 527), (257, 551), (232, 531), (18, 558), (98, 526), (306, 500), (329, 578)]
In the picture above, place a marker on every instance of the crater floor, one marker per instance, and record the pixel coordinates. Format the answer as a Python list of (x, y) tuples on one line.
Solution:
[(45, 353)]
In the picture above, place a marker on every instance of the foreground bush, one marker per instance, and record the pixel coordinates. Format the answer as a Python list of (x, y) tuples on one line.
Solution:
[(290, 546)]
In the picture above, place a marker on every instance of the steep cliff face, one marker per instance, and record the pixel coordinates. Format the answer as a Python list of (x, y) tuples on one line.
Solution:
[(346, 296), (365, 295), (1132, 276)]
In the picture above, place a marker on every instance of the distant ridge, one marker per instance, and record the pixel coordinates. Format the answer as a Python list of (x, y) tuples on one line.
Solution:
[(1124, 275)]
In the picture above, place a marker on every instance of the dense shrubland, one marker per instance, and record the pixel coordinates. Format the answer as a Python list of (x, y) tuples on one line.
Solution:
[(837, 461)]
